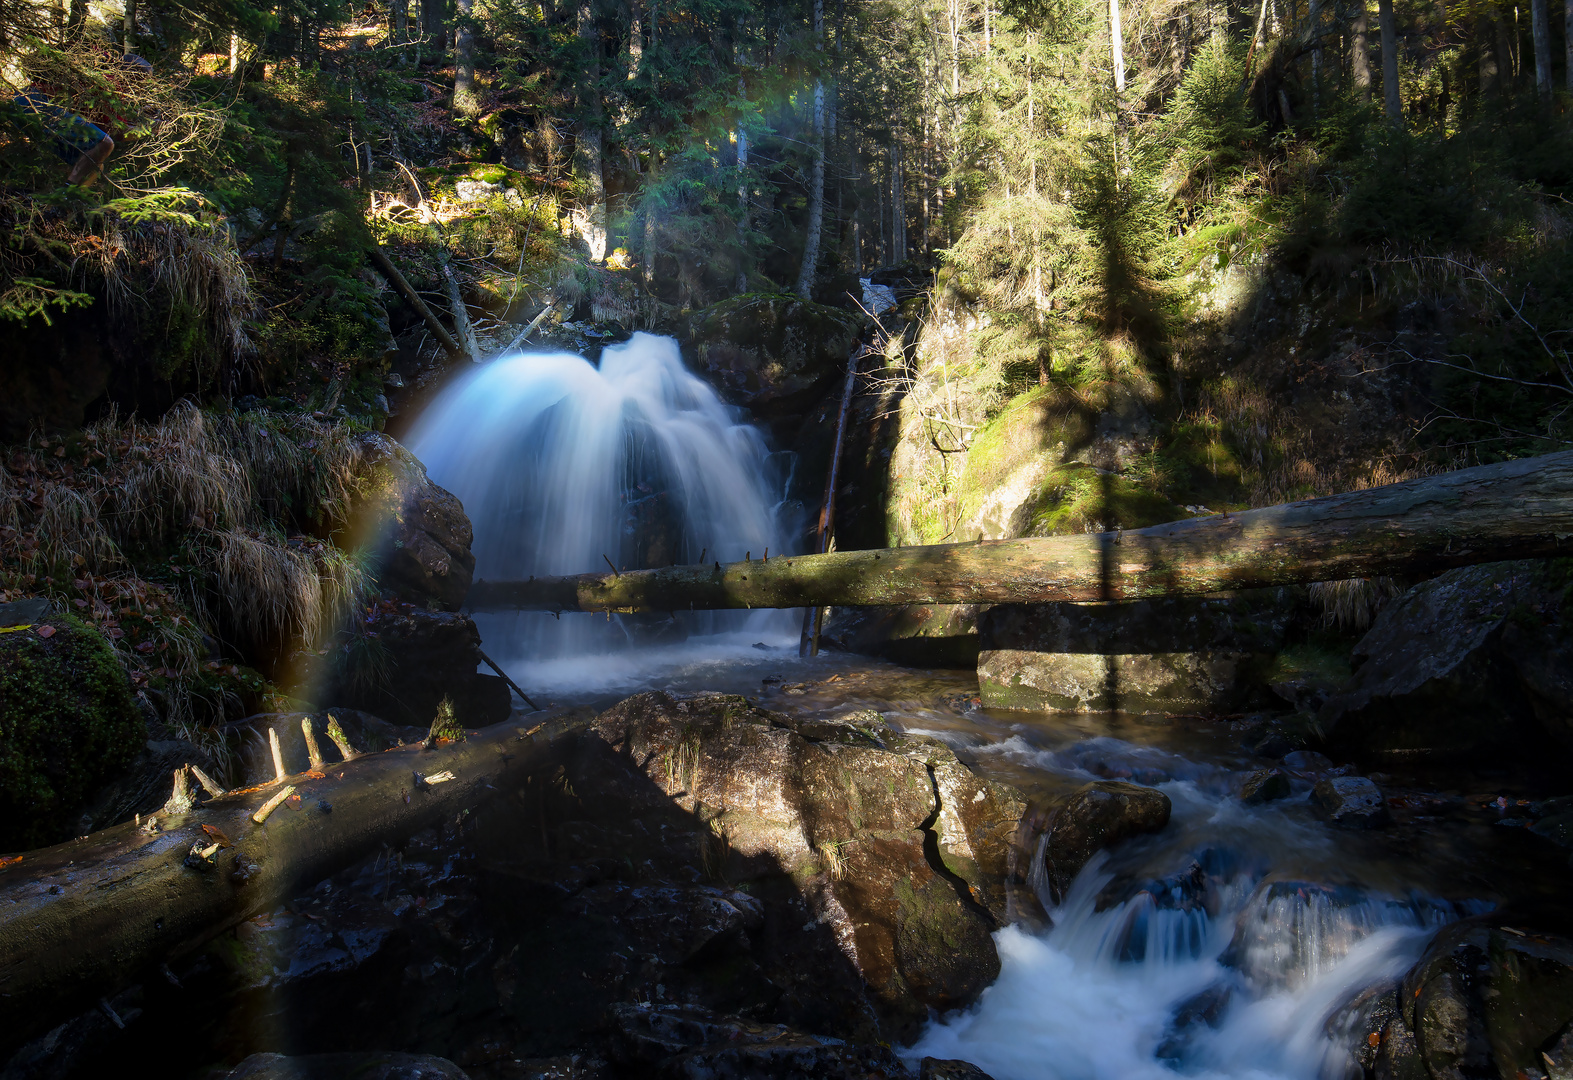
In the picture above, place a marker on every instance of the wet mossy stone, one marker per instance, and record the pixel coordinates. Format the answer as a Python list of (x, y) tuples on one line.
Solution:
[(67, 723), (772, 353)]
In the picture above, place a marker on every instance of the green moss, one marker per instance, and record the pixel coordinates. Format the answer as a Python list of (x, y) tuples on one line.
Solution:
[(1076, 498), (67, 723)]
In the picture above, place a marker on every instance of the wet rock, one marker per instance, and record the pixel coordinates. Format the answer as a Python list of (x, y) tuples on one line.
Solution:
[(1350, 802), (1264, 786), (675, 1041), (1206, 1008), (862, 814), (950, 1069), (363, 1065), (922, 635), (1097, 816), (422, 656), (25, 612), (70, 1048), (1359, 1023), (675, 923), (420, 532), (286, 947), (771, 353), (1473, 664), (1174, 655), (1307, 761), (1486, 1000)]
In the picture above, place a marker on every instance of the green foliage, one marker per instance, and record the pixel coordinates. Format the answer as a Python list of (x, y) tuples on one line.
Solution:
[(1210, 121), (67, 723)]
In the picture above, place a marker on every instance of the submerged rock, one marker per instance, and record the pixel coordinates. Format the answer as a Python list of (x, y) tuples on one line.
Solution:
[(1098, 816), (1174, 655), (950, 1069), (1473, 664), (363, 1065), (1350, 802), (1264, 786)]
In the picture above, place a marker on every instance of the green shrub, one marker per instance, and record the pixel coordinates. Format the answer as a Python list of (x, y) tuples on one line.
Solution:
[(67, 723)]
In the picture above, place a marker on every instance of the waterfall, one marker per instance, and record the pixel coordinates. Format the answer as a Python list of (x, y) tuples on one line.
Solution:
[(565, 467)]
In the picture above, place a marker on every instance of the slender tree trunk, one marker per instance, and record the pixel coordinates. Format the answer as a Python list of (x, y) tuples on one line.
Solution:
[(898, 204), (1117, 45), (588, 146), (1391, 102), (1485, 36), (234, 54), (1567, 41), (1314, 18), (465, 102), (1360, 52), (635, 36), (128, 32), (1540, 19), (816, 181)]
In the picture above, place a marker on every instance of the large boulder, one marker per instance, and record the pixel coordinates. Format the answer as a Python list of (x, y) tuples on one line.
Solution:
[(1486, 1000), (1473, 663), (68, 722), (1184, 654), (902, 855), (772, 353), (1095, 817), (415, 658), (418, 530)]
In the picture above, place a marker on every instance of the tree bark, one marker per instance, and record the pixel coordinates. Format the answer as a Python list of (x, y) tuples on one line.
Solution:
[(588, 145), (1489, 65), (898, 204), (127, 899), (1540, 21), (1514, 510), (1360, 52), (1392, 104), (816, 179), (380, 259), (465, 102), (1567, 40), (1117, 44)]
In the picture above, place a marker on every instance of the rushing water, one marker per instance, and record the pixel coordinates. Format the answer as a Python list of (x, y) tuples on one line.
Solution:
[(1229, 945), (566, 467)]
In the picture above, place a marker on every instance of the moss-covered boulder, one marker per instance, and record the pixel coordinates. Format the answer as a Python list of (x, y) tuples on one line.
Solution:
[(419, 531), (67, 723), (772, 353)]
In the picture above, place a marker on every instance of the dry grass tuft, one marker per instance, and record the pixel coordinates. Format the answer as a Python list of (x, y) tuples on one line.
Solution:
[(1353, 604)]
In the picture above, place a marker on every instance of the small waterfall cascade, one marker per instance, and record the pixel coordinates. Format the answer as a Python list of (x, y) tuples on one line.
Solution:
[(565, 467)]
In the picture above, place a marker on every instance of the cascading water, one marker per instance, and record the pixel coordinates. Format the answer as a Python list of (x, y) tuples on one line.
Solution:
[(565, 466)]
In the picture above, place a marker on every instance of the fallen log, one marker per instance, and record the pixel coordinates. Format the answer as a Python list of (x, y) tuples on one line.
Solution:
[(1513, 510), (88, 914)]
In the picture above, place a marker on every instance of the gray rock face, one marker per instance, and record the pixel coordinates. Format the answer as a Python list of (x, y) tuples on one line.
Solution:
[(1097, 816), (1176, 655), (1350, 802), (419, 530), (922, 635), (677, 1041), (772, 353), (25, 612), (1477, 662)]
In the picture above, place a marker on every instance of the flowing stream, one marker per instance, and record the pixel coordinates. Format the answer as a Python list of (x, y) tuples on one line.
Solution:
[(1229, 945)]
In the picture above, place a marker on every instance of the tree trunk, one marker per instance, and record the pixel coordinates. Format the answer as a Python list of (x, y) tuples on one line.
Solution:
[(1117, 44), (128, 30), (816, 179), (1392, 104), (1360, 52), (465, 102), (381, 261), (461, 318), (126, 900), (1515, 510), (635, 37), (1314, 18), (1485, 40), (1567, 41), (1540, 21), (588, 145), (898, 205)]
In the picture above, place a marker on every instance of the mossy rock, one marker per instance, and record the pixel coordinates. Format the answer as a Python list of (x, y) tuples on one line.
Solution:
[(1010, 458), (67, 723), (772, 352), (1078, 498)]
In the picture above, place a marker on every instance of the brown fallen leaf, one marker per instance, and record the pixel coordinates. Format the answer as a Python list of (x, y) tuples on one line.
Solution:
[(315, 775), (216, 834), (293, 802), (46, 631)]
